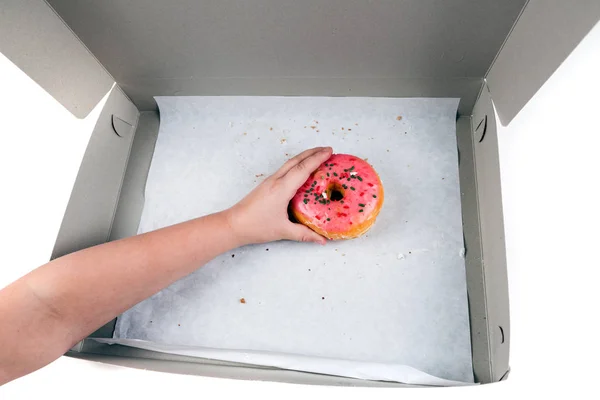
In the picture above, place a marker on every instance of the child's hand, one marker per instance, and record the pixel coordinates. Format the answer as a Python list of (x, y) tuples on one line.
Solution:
[(262, 215)]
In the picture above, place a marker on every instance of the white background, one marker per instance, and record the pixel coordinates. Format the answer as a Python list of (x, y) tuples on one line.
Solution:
[(550, 164)]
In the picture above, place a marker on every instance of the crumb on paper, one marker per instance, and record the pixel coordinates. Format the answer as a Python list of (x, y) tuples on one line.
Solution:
[(388, 150), (343, 254), (271, 128), (356, 123), (366, 159), (342, 128), (462, 252), (349, 129), (259, 175), (243, 300), (313, 127), (316, 122), (245, 133), (399, 118), (336, 249), (178, 324), (233, 255), (318, 130), (400, 256), (304, 126), (282, 141), (267, 249), (323, 298)]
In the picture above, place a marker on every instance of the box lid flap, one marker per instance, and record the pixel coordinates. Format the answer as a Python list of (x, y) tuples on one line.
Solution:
[(37, 41), (544, 35)]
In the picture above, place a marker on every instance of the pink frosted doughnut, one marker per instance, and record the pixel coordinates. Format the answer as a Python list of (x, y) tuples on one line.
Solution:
[(341, 199)]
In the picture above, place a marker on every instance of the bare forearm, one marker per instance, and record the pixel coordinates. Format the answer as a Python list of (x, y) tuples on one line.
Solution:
[(90, 287), (72, 296)]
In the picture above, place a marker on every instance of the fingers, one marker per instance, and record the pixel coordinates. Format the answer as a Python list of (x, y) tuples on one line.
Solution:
[(300, 172), (292, 162), (302, 233)]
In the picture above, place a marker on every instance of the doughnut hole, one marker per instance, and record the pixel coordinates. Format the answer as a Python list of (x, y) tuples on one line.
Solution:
[(335, 191)]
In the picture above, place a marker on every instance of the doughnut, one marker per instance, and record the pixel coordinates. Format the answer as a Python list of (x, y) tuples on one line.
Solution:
[(341, 199)]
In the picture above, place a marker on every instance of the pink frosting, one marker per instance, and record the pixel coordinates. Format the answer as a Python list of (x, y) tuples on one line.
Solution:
[(351, 176)]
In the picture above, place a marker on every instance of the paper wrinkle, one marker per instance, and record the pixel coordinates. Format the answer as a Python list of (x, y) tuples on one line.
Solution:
[(347, 368)]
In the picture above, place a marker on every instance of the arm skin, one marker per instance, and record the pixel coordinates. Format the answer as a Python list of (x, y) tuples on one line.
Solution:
[(46, 312)]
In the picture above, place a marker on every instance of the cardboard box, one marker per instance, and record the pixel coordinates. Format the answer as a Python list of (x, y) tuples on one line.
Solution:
[(481, 51)]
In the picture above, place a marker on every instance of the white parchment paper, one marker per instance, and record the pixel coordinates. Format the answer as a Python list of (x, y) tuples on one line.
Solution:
[(395, 297)]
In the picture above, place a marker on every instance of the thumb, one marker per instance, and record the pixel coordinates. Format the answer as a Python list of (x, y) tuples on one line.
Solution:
[(301, 233)]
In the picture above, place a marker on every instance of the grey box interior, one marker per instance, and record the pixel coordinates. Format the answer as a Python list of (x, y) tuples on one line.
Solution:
[(476, 50)]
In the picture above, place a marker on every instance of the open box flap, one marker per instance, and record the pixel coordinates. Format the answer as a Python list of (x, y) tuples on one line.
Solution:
[(35, 39), (545, 34), (409, 48)]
